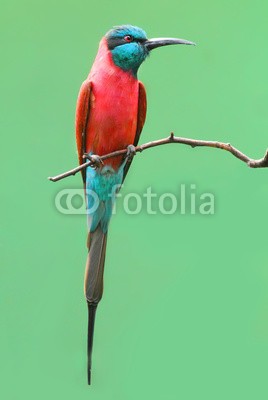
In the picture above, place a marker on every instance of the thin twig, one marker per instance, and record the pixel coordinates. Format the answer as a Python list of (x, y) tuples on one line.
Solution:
[(261, 163)]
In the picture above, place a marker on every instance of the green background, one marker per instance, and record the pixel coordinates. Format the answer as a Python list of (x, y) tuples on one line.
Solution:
[(185, 308)]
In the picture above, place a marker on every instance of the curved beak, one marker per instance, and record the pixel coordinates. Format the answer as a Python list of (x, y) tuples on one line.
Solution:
[(159, 42)]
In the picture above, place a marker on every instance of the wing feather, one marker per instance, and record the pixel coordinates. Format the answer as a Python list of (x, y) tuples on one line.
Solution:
[(142, 108), (81, 121)]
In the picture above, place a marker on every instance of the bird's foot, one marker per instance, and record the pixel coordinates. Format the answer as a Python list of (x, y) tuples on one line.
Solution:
[(131, 152), (96, 161)]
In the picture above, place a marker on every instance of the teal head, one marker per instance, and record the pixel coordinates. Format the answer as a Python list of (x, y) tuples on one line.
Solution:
[(130, 47)]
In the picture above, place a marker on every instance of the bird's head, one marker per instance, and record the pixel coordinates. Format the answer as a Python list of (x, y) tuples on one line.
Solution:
[(130, 47)]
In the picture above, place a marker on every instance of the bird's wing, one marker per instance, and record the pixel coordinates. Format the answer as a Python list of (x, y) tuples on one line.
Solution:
[(81, 121), (142, 108)]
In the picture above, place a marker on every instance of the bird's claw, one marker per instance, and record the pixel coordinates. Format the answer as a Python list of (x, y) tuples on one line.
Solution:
[(131, 152), (96, 161)]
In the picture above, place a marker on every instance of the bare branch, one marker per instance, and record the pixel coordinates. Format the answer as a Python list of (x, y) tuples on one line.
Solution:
[(261, 163)]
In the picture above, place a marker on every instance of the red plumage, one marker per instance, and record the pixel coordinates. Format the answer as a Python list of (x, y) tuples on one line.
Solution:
[(111, 108)]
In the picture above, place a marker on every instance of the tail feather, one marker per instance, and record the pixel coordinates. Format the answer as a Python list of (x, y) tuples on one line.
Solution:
[(94, 282), (91, 320)]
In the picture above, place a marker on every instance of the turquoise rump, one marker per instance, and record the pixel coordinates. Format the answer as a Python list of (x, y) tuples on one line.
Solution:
[(101, 189)]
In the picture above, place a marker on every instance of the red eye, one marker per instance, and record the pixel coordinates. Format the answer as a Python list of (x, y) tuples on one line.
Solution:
[(128, 38)]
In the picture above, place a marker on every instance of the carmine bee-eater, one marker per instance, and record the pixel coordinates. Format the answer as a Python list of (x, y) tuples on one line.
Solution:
[(110, 115)]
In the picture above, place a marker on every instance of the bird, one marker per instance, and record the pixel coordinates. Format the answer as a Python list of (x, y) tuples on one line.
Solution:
[(110, 114)]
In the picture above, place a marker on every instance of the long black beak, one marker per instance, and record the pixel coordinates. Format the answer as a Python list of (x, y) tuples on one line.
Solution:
[(159, 42)]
